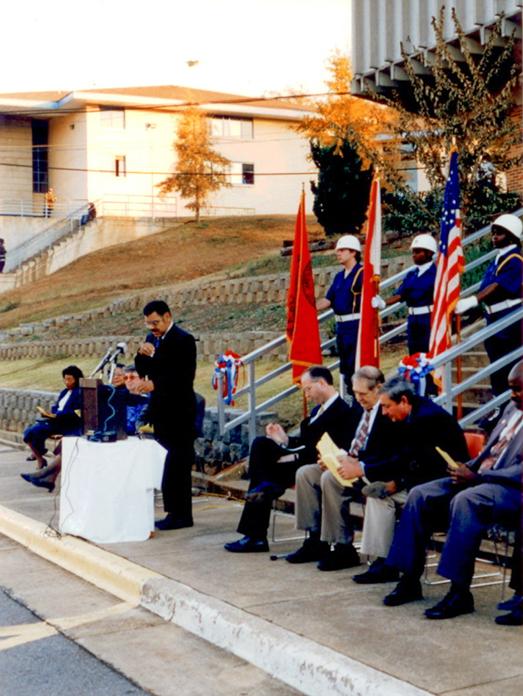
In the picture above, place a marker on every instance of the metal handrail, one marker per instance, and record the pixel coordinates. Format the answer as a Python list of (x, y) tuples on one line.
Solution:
[(56, 231), (444, 359)]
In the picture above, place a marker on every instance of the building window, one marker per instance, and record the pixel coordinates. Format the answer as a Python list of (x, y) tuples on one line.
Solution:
[(241, 174), (40, 133), (120, 166), (111, 117), (227, 127)]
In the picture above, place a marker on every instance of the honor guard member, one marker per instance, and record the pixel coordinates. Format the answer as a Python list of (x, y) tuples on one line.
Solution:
[(417, 290), (344, 297), (500, 293)]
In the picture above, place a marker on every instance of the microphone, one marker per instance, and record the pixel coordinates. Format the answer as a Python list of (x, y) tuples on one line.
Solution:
[(103, 362), (120, 349)]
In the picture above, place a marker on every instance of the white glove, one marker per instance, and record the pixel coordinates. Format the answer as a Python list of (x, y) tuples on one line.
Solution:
[(466, 303), (378, 302)]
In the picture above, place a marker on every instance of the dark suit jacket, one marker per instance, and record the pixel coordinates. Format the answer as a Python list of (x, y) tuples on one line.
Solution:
[(508, 472), (172, 368), (74, 402), (410, 457), (339, 420)]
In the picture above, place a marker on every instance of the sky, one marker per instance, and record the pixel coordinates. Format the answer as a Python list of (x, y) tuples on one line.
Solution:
[(251, 47)]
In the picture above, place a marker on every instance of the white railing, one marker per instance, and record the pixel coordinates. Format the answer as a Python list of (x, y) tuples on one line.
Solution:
[(46, 238), (139, 206), (254, 409), (34, 208)]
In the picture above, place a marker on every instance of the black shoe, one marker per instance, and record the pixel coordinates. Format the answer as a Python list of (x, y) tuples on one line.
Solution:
[(377, 572), (312, 550), (453, 604), (247, 545), (513, 603), (171, 522), (30, 458), (39, 482), (342, 556), (407, 590), (515, 618)]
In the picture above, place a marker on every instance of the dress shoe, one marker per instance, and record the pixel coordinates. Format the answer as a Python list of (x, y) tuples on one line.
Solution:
[(247, 545), (342, 556), (453, 604), (30, 458), (39, 482), (377, 572), (171, 522), (312, 550), (515, 618), (513, 603), (407, 590)]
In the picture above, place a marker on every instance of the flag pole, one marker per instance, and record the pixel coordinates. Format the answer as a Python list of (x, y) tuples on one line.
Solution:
[(459, 374)]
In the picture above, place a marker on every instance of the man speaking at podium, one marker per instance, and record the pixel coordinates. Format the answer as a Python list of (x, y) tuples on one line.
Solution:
[(167, 362)]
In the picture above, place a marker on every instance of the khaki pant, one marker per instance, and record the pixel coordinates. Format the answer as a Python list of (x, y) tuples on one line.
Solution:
[(322, 505), (379, 524)]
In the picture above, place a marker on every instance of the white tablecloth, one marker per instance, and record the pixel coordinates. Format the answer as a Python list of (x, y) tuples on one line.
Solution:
[(107, 492)]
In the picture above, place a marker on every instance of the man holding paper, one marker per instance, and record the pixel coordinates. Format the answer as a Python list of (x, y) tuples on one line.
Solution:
[(323, 499), (274, 458)]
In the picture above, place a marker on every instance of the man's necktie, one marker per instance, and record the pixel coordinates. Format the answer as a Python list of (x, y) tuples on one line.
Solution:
[(500, 446), (361, 434)]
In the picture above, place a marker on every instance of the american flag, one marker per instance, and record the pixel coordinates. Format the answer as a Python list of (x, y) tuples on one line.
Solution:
[(450, 264)]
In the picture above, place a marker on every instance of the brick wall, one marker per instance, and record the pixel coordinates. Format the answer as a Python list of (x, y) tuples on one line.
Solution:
[(515, 175)]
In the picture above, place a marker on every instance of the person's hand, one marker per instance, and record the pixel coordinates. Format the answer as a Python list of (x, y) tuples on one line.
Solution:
[(322, 466), (144, 386), (378, 302), (462, 474), (277, 433), (391, 487), (147, 349), (349, 467), (465, 304)]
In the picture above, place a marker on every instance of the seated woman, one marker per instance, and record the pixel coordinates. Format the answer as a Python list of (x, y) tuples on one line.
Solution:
[(64, 418)]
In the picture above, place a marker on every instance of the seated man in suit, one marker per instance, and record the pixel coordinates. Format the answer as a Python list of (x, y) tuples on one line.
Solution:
[(274, 458), (478, 494), (391, 446), (411, 458), (322, 504)]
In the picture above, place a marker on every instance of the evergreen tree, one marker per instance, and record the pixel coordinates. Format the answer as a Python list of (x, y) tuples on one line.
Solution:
[(199, 170), (342, 192)]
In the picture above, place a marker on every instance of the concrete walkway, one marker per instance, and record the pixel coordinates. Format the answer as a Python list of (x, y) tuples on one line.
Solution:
[(318, 632)]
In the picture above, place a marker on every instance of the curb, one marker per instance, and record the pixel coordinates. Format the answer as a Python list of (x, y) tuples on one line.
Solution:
[(313, 669)]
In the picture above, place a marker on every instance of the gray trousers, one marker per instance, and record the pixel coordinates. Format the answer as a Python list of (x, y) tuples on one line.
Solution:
[(379, 524), (323, 505)]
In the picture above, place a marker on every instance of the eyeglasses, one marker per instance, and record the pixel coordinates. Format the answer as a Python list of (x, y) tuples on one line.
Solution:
[(153, 323)]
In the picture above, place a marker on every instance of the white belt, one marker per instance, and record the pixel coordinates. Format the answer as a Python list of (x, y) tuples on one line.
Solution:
[(492, 309), (346, 317), (414, 311)]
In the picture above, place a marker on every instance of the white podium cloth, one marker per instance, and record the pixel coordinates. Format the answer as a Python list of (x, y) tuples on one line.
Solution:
[(107, 492)]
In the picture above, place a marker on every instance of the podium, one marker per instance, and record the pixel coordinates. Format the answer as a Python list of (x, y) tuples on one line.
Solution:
[(103, 407)]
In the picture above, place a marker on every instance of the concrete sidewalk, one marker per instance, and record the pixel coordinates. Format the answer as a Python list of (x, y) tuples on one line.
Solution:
[(318, 632)]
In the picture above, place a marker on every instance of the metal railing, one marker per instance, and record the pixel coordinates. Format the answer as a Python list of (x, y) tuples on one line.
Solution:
[(57, 230), (254, 409), (34, 208), (148, 206)]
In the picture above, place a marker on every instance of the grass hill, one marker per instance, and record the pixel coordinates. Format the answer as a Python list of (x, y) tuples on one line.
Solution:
[(221, 246)]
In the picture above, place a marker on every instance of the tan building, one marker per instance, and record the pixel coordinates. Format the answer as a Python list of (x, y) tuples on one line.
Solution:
[(113, 146)]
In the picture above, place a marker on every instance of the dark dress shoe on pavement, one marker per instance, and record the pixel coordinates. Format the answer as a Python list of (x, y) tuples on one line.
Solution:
[(407, 590), (171, 522), (342, 556), (247, 545), (30, 458), (453, 604), (312, 550), (377, 572), (515, 618), (513, 603), (39, 482)]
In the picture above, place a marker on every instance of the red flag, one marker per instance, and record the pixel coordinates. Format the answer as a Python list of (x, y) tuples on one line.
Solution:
[(368, 352), (303, 332), (450, 266)]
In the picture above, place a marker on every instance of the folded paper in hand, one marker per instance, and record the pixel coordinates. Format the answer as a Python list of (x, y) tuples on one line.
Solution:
[(446, 456), (329, 453), (44, 413)]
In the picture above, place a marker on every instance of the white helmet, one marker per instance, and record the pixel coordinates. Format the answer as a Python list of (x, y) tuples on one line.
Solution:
[(348, 241), (510, 223), (424, 241)]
